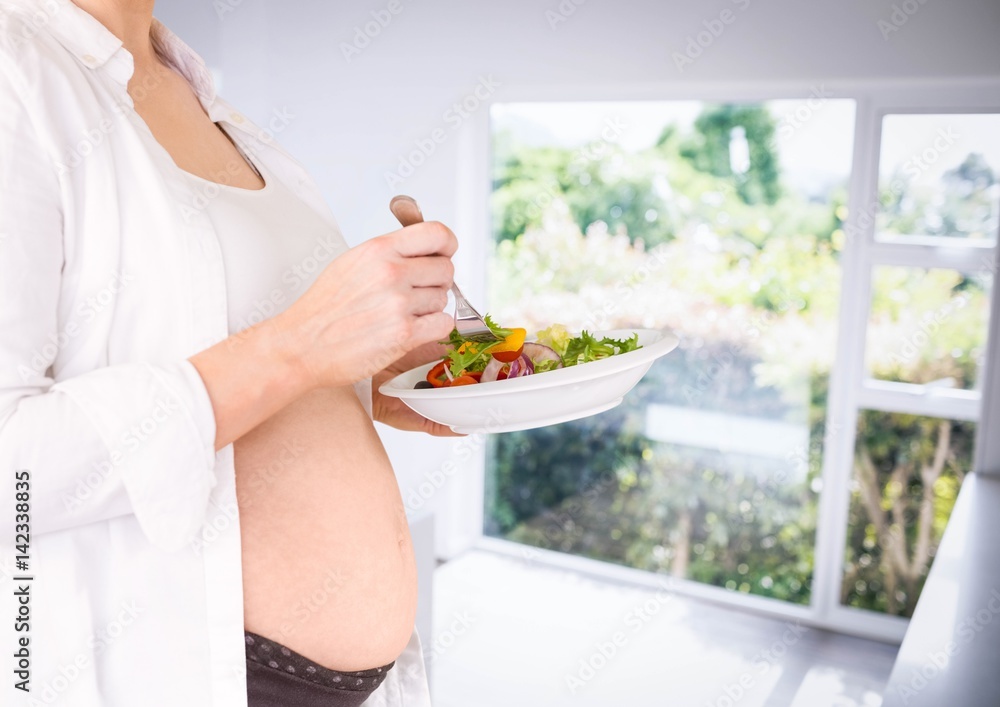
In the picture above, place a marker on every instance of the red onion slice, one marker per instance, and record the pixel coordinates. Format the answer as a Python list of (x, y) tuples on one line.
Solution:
[(540, 352), (493, 368), (521, 366)]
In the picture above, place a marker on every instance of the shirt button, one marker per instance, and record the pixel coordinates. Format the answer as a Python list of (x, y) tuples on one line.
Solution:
[(89, 59), (236, 118)]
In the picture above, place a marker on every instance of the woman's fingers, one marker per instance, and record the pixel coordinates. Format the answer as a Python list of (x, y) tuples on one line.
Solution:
[(427, 300), (430, 271), (431, 327), (429, 238)]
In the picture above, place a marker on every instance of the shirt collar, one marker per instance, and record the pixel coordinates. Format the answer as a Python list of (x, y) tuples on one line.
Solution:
[(97, 48)]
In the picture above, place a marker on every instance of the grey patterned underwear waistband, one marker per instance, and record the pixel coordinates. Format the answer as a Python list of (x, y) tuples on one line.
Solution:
[(277, 675)]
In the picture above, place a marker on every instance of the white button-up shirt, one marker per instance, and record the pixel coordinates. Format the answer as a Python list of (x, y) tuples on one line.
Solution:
[(111, 491)]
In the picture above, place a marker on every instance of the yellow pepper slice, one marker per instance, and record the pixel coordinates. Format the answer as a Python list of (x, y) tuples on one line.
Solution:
[(510, 345)]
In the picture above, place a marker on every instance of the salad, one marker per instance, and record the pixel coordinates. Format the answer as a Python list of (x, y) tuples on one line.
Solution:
[(470, 362)]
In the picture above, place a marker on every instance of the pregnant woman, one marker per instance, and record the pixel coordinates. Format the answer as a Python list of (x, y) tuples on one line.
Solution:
[(189, 362)]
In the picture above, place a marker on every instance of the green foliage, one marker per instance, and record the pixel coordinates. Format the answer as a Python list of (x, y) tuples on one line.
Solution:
[(927, 325), (597, 183), (539, 470)]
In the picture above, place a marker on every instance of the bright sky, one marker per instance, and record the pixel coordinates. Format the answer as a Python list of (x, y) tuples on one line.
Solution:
[(934, 144), (820, 142), (815, 140)]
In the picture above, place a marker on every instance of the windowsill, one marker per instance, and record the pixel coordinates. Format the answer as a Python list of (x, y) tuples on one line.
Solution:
[(948, 656)]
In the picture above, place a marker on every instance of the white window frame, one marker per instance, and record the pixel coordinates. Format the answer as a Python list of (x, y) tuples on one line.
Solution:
[(462, 515), (850, 388)]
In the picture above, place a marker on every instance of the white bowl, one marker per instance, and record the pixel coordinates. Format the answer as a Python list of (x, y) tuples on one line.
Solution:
[(536, 400)]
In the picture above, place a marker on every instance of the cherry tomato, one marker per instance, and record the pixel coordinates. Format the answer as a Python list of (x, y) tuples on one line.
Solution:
[(508, 356)]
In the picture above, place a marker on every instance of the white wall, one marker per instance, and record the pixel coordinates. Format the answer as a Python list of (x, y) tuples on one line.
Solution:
[(355, 119)]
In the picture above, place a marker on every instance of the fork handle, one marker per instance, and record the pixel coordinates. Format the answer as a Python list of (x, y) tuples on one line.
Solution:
[(406, 210)]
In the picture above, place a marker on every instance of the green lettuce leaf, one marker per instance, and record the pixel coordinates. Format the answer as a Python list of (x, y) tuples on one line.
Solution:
[(498, 331), (587, 347), (556, 337)]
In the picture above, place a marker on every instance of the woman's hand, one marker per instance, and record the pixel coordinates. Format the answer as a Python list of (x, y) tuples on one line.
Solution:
[(393, 411), (372, 305)]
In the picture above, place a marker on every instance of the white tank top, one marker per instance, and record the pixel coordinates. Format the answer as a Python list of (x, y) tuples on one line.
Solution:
[(274, 245)]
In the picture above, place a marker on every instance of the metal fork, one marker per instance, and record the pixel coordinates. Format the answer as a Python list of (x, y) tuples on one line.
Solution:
[(469, 323)]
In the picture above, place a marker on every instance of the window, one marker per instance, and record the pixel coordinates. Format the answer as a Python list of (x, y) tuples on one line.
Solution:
[(723, 222), (924, 348), (795, 418)]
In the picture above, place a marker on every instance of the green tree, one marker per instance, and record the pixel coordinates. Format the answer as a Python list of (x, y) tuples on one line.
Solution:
[(907, 470), (596, 182), (709, 149)]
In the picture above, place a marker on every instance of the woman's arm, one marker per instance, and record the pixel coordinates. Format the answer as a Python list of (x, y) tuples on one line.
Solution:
[(369, 307)]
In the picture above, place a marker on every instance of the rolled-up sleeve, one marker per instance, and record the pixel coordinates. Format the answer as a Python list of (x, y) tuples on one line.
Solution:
[(130, 438)]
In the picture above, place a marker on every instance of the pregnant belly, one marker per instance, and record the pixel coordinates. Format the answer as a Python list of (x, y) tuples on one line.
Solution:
[(328, 567)]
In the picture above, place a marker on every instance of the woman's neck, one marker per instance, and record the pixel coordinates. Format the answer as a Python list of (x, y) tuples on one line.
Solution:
[(129, 20)]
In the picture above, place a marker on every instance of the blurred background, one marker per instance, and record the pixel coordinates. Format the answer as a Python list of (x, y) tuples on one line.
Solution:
[(808, 193)]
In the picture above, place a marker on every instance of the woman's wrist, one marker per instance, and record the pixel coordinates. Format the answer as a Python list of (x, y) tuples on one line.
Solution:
[(281, 351), (250, 376), (310, 359)]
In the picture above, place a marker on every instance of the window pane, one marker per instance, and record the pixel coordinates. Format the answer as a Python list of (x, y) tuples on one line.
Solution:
[(938, 176), (928, 326), (724, 223), (908, 471)]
